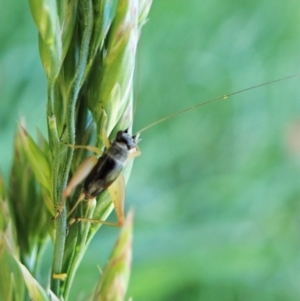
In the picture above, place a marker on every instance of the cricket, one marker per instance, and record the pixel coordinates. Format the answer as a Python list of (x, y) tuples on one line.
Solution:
[(105, 171)]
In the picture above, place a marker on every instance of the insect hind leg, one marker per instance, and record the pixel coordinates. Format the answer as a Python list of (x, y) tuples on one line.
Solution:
[(81, 173), (94, 221), (117, 193)]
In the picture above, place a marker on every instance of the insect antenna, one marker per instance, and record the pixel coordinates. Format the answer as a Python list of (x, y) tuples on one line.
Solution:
[(223, 97)]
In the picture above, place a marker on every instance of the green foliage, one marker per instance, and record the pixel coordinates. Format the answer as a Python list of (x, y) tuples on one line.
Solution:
[(114, 281), (216, 191), (88, 51)]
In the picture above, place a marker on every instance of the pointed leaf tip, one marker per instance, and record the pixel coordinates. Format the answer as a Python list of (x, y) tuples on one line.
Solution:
[(114, 281)]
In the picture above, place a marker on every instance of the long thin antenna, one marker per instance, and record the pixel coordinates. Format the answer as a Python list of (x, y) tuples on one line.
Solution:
[(212, 100)]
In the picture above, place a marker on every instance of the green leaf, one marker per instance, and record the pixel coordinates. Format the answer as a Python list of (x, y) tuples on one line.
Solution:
[(67, 11), (118, 66), (35, 290), (113, 284), (103, 15), (44, 13), (4, 213), (28, 208), (11, 281), (144, 8), (38, 161)]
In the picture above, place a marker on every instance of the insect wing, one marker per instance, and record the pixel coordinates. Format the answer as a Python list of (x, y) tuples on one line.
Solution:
[(81, 173)]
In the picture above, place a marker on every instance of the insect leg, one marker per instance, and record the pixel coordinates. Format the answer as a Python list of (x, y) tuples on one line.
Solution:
[(134, 153), (90, 148), (117, 194), (81, 173), (84, 168), (81, 198)]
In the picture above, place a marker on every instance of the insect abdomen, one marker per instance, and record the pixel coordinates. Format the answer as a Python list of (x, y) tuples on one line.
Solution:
[(106, 171)]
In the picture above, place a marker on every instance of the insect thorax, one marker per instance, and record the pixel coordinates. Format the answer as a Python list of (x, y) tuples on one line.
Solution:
[(118, 151)]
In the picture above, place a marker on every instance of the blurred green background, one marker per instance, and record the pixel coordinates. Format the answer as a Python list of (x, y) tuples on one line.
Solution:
[(216, 191)]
